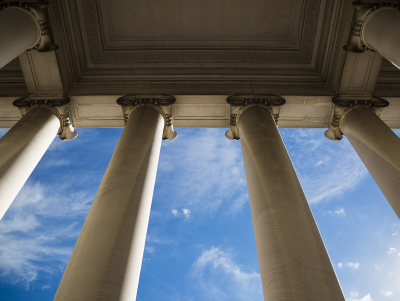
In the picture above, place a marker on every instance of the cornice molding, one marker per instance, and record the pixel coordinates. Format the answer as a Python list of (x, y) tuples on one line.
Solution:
[(60, 108), (240, 102), (162, 102)]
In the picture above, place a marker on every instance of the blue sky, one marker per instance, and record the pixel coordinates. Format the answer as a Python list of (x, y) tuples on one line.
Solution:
[(200, 243)]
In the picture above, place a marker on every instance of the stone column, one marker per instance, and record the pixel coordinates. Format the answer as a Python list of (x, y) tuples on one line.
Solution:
[(23, 146), (294, 263), (376, 144), (106, 261), (376, 27), (23, 26)]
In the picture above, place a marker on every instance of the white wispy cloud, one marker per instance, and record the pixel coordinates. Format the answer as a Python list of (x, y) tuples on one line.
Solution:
[(352, 265), (387, 294), (186, 212), (34, 230), (326, 168), (175, 212), (158, 240), (391, 251), (354, 297), (150, 249), (215, 269), (340, 212), (208, 163)]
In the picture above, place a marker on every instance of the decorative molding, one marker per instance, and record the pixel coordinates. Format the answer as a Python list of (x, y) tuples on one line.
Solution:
[(239, 102), (162, 102), (343, 105), (201, 56), (203, 74), (39, 10), (59, 106), (362, 9)]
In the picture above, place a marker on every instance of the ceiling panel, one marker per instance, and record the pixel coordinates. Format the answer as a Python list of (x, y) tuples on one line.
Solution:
[(194, 23), (219, 31)]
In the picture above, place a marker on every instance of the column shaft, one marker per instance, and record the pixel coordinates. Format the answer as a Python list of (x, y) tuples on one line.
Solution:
[(379, 149), (294, 263), (19, 32), (21, 149), (106, 261), (381, 33)]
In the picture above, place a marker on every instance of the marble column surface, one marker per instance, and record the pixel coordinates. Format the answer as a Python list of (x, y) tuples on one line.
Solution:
[(19, 31), (21, 149), (381, 33), (294, 263), (378, 147), (106, 261)]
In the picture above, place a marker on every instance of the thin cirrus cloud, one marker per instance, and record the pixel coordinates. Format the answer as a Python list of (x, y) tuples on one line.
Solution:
[(326, 169), (208, 175), (354, 297), (208, 163), (221, 278), (352, 265), (387, 294), (185, 212), (32, 236)]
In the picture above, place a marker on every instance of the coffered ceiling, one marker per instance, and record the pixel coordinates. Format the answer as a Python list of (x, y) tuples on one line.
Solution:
[(201, 51), (194, 42)]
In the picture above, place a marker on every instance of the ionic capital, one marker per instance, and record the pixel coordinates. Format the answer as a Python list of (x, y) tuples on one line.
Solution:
[(239, 102), (362, 10), (343, 105), (162, 102), (60, 108), (38, 10)]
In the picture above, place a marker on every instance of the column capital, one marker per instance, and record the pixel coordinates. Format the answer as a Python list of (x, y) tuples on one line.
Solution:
[(60, 108), (362, 10), (162, 102), (38, 10), (343, 104), (239, 102)]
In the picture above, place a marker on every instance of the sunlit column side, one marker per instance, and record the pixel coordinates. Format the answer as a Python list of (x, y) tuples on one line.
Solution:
[(375, 27), (294, 263), (106, 261), (376, 144), (23, 146), (22, 27)]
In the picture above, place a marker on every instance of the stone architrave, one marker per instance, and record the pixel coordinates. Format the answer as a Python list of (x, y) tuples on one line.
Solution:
[(25, 143), (375, 27), (24, 26), (106, 261), (376, 144), (294, 263)]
